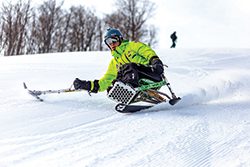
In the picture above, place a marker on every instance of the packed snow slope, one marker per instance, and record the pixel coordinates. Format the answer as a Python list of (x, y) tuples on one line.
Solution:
[(210, 126)]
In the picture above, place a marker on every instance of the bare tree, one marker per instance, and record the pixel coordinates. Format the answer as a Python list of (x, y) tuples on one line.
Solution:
[(99, 36), (49, 28), (131, 18), (151, 37), (55, 30), (1, 34), (46, 24), (15, 18), (32, 40), (61, 37), (83, 29)]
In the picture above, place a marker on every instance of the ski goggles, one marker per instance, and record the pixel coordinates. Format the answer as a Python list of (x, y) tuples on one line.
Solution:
[(110, 41)]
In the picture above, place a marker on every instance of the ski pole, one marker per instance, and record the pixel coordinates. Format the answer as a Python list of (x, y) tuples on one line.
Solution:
[(44, 92)]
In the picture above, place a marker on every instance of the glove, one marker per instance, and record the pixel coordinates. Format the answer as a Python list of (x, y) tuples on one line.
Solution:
[(157, 66), (86, 85), (82, 84)]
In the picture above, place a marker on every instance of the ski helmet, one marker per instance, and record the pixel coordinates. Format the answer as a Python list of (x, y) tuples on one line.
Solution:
[(113, 33)]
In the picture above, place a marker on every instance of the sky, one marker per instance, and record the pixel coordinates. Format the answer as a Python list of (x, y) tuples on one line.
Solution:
[(198, 23)]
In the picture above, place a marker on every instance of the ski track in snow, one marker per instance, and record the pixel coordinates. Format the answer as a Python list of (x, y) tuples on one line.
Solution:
[(209, 127)]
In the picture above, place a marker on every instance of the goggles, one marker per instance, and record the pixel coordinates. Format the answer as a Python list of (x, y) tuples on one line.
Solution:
[(110, 41)]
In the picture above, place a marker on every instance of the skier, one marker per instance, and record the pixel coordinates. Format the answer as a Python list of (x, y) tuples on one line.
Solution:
[(135, 74), (174, 38), (131, 61)]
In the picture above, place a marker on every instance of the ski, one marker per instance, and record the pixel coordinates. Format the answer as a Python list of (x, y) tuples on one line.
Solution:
[(174, 101), (33, 93), (37, 93), (123, 108), (128, 108)]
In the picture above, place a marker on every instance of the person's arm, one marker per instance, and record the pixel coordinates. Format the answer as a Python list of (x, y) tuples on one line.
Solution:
[(144, 51), (109, 76), (98, 85), (153, 60)]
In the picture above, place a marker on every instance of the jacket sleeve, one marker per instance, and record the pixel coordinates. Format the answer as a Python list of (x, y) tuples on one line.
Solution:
[(108, 77), (145, 51)]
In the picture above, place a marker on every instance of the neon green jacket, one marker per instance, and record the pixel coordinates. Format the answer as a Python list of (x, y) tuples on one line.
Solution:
[(127, 52)]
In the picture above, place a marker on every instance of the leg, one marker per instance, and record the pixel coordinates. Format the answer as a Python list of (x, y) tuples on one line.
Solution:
[(128, 74), (131, 73)]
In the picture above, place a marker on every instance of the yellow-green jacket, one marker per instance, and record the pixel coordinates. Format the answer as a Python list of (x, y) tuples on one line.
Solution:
[(127, 52)]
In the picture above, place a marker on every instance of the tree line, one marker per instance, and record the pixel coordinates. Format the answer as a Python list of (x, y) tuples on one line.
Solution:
[(49, 27)]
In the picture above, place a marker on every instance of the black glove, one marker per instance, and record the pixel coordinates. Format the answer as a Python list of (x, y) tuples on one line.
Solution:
[(82, 84), (86, 85), (157, 66)]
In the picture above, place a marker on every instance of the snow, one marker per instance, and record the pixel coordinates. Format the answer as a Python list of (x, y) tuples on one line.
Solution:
[(210, 126)]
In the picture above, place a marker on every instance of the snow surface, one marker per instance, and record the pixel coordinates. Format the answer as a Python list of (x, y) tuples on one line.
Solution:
[(209, 127)]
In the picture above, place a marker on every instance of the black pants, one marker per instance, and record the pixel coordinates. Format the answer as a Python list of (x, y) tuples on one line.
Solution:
[(173, 45), (131, 73)]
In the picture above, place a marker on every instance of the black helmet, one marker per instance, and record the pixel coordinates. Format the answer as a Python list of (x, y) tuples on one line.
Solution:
[(113, 33)]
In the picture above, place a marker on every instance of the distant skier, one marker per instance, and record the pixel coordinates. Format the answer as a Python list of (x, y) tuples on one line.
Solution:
[(174, 38), (131, 61)]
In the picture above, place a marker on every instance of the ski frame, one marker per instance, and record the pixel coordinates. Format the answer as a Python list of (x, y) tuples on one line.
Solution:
[(149, 93), (37, 93), (151, 85), (146, 85)]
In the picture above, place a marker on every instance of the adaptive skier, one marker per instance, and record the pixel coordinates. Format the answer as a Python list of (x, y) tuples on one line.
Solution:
[(131, 61), (135, 74)]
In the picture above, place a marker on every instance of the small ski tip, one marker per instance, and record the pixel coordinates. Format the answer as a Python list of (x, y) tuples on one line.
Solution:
[(174, 101), (24, 85)]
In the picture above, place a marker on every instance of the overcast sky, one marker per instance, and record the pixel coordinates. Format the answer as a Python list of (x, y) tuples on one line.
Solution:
[(198, 23)]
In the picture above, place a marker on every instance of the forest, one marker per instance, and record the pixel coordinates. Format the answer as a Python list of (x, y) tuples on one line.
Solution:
[(50, 27)]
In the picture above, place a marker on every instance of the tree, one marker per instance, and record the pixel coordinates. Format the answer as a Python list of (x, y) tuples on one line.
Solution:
[(14, 27), (131, 18), (61, 37), (83, 29), (46, 24), (49, 28), (1, 35)]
